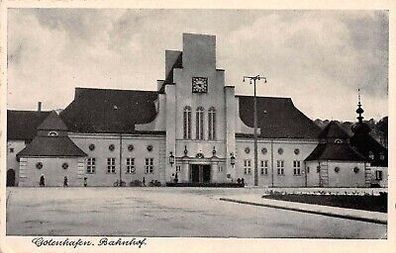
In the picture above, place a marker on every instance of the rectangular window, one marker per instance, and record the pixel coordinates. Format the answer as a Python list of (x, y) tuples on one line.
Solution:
[(130, 165), (149, 166), (199, 124), (378, 175), (297, 168), (91, 165), (178, 168), (111, 165), (280, 165), (187, 123), (212, 124), (247, 167), (264, 167)]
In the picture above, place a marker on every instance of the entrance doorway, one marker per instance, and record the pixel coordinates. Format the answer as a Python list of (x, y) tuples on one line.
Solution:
[(200, 173), (10, 177)]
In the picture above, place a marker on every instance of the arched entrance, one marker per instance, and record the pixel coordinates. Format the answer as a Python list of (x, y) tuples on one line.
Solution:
[(10, 177)]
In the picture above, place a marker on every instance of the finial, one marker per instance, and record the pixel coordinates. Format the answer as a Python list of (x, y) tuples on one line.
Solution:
[(359, 110)]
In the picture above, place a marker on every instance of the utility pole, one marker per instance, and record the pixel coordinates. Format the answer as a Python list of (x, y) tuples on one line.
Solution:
[(252, 80)]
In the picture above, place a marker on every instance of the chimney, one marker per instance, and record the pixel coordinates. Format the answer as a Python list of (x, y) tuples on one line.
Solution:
[(39, 106)]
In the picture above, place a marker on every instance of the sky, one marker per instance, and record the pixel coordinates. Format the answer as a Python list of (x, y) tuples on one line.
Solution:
[(317, 58)]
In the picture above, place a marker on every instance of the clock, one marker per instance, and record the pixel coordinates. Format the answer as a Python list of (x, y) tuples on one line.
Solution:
[(199, 84)]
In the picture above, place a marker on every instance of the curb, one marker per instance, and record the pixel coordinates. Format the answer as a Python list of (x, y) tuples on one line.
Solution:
[(336, 215)]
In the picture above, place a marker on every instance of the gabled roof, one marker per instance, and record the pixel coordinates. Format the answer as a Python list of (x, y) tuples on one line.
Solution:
[(365, 144), (277, 118), (335, 152), (333, 130), (52, 122), (109, 111), (22, 125), (59, 146)]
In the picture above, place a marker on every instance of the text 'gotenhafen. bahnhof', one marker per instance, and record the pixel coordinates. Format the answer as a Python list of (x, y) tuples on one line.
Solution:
[(193, 130)]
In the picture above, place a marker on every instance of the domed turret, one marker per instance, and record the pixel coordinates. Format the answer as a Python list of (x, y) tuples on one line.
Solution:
[(360, 127)]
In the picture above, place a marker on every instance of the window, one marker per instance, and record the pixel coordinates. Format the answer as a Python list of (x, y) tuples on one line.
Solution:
[(307, 169), (280, 151), (53, 133), (297, 168), (382, 156), (212, 123), (264, 167), (280, 165), (130, 165), (111, 165), (378, 174), (199, 124), (91, 165), (149, 166), (247, 166), (187, 122), (178, 168)]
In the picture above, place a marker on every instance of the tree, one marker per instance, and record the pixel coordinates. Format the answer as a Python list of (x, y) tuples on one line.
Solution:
[(382, 127)]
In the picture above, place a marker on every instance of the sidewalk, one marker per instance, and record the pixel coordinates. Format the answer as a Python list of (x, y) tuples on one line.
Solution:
[(346, 213)]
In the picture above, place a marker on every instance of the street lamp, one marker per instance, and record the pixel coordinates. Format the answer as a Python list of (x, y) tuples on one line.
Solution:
[(252, 80), (232, 158), (171, 159)]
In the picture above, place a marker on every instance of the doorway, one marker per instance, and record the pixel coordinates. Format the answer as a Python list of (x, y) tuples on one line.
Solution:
[(200, 173), (10, 177)]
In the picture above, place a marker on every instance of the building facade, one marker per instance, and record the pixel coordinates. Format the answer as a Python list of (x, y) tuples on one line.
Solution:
[(193, 129)]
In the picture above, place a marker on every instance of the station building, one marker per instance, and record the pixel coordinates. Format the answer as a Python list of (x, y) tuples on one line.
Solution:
[(193, 128)]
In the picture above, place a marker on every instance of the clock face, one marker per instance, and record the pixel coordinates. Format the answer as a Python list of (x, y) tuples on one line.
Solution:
[(199, 84)]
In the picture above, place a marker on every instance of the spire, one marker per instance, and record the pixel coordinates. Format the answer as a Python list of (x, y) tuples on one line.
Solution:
[(359, 110), (360, 128)]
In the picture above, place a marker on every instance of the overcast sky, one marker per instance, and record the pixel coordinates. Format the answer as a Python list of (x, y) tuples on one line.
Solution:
[(318, 58)]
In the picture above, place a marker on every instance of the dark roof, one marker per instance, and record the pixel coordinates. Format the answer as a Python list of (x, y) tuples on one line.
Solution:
[(104, 110), (22, 125), (52, 122), (178, 63), (365, 144), (334, 130), (277, 118), (335, 152), (51, 147)]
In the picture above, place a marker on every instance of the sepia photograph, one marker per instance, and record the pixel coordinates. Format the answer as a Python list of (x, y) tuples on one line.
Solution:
[(125, 124)]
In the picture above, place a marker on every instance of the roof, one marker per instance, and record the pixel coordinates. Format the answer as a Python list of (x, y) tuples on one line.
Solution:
[(52, 147), (22, 125), (277, 118), (334, 130), (109, 111), (52, 122), (365, 144), (335, 152)]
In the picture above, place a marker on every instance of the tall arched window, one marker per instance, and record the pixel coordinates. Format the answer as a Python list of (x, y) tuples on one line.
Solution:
[(212, 123), (187, 122), (199, 123)]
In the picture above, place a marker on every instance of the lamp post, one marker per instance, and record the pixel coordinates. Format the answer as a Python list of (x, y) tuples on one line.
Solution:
[(232, 159), (171, 158), (252, 80)]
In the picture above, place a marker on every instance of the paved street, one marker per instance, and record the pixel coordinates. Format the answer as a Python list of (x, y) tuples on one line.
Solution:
[(166, 212)]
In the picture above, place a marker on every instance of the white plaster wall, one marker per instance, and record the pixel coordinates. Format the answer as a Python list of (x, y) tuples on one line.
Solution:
[(346, 177), (384, 181), (140, 152), (52, 170), (288, 156), (313, 174)]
